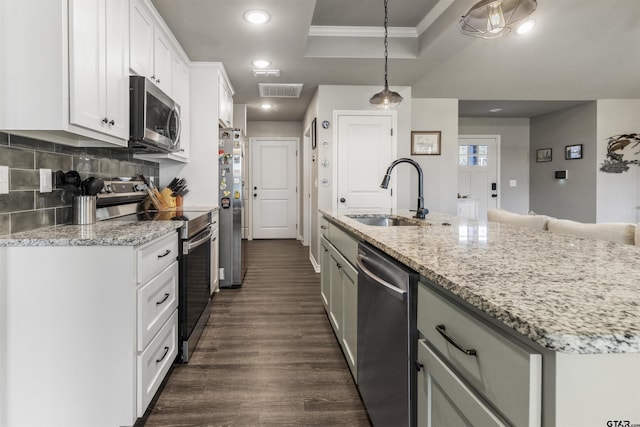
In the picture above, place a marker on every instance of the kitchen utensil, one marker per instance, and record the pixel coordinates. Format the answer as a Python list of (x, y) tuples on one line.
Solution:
[(92, 186), (84, 210)]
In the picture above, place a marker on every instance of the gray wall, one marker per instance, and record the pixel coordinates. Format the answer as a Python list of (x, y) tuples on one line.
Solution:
[(514, 156), (574, 198), (25, 208)]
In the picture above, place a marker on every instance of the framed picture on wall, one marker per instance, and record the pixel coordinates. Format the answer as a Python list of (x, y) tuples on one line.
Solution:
[(425, 142), (572, 152), (543, 155)]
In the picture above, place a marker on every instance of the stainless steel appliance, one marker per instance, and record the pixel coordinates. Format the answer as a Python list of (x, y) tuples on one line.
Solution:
[(387, 338), (231, 187), (121, 201), (154, 118)]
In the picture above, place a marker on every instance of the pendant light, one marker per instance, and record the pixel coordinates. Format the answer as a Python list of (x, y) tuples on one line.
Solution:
[(489, 19), (386, 99)]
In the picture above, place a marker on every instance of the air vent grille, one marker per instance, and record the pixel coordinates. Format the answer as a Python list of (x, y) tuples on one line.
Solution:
[(266, 73), (280, 90)]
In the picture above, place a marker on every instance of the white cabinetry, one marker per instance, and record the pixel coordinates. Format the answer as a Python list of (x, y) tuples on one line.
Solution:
[(215, 253), (87, 335), (64, 70), (151, 54), (339, 288), (225, 102), (467, 362), (180, 90)]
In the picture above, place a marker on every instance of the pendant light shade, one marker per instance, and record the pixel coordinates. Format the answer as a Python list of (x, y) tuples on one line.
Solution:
[(489, 19), (386, 99)]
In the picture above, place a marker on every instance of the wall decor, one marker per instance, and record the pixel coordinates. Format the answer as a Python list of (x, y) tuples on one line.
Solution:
[(543, 155), (614, 163), (425, 142), (573, 152), (313, 134)]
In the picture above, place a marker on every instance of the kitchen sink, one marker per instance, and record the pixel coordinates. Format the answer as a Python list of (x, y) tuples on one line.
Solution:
[(381, 220)]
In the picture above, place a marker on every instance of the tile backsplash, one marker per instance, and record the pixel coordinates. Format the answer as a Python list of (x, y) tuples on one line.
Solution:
[(25, 208)]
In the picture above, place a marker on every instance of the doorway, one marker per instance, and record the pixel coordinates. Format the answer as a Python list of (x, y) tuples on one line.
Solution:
[(273, 192), (478, 175), (366, 146)]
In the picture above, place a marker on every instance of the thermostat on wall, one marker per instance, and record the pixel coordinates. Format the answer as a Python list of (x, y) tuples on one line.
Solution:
[(561, 174)]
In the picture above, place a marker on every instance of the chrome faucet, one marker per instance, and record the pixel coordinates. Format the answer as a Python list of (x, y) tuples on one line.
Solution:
[(421, 212)]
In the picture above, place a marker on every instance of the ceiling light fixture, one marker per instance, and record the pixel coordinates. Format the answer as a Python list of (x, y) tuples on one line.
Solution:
[(261, 63), (266, 106), (489, 19), (495, 110), (386, 99), (256, 16), (526, 26)]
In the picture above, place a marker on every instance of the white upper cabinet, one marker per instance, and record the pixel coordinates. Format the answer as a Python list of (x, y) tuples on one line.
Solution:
[(225, 102), (98, 75), (64, 74), (151, 54)]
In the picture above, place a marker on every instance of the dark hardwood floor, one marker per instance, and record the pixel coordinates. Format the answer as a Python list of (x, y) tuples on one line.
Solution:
[(267, 357)]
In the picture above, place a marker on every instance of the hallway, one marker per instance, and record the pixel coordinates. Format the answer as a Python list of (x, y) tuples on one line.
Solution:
[(267, 357)]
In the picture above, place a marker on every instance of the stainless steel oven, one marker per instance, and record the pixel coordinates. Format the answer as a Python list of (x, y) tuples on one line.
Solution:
[(195, 277)]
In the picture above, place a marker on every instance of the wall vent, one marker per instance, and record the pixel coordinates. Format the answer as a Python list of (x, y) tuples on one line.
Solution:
[(280, 90), (266, 73)]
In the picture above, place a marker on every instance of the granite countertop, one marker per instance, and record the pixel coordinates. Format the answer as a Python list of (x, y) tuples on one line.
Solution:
[(102, 233), (565, 293)]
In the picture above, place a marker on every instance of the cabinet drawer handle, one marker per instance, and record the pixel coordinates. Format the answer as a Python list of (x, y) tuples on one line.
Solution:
[(167, 252), (339, 266), (166, 351), (324, 227), (166, 297), (442, 330)]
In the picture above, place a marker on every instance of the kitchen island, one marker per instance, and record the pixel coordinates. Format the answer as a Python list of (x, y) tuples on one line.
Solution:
[(574, 301), (88, 321)]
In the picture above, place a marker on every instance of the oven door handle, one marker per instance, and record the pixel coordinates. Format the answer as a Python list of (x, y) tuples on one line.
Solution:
[(190, 245)]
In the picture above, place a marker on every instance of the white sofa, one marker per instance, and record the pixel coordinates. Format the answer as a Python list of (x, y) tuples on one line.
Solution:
[(613, 232), (535, 222)]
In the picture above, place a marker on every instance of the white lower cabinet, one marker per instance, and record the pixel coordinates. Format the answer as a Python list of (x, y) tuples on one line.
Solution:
[(472, 370), (84, 341), (339, 289)]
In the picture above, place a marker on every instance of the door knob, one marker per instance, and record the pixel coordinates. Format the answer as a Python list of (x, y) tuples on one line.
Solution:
[(494, 195), (342, 200)]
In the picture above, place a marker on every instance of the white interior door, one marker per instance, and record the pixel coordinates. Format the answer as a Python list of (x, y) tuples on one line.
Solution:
[(478, 162), (365, 148), (274, 188)]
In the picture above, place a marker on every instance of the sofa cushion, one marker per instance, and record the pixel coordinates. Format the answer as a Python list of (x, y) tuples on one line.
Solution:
[(613, 232), (536, 222)]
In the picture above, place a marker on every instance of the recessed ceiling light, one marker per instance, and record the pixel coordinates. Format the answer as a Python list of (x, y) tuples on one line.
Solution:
[(261, 63), (495, 110), (256, 16), (266, 106), (526, 26)]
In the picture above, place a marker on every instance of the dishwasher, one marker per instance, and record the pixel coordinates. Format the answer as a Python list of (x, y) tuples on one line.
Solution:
[(387, 338)]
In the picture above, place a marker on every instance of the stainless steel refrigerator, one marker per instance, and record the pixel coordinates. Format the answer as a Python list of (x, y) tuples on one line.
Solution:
[(231, 189)]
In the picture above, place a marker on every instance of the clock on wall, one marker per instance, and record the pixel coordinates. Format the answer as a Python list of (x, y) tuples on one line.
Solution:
[(326, 124)]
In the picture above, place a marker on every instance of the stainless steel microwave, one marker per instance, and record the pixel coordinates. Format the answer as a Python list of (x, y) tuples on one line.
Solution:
[(155, 118)]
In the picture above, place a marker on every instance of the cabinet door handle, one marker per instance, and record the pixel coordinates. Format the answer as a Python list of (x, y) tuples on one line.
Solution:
[(442, 331), (166, 351), (112, 122), (166, 297), (105, 120), (167, 252), (339, 266), (324, 227)]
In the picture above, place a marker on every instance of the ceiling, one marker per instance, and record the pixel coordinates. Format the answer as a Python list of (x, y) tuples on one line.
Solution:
[(580, 50)]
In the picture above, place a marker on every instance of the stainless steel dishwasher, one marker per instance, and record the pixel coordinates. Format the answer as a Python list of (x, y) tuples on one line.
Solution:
[(387, 338)]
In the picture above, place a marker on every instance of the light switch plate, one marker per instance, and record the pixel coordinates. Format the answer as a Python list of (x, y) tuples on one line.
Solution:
[(45, 181), (4, 179), (513, 183)]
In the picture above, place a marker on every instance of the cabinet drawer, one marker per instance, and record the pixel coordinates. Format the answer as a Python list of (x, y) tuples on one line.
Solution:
[(444, 400), (344, 242), (505, 372), (324, 227), (156, 256), (155, 361), (157, 300)]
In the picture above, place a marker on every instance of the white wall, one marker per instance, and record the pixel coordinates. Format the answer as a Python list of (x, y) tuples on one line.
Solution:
[(314, 246), (440, 172), (274, 128), (514, 156), (617, 195)]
